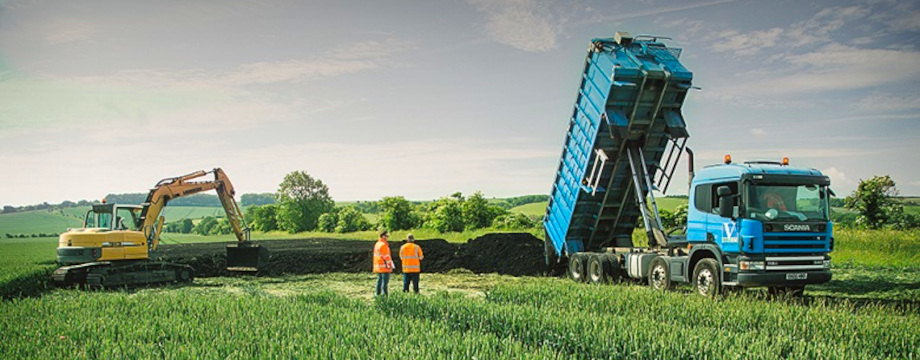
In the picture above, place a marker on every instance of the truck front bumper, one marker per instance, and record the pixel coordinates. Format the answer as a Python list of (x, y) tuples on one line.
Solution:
[(752, 279)]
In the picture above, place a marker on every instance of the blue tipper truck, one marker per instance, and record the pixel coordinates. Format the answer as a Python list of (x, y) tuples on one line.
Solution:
[(748, 225)]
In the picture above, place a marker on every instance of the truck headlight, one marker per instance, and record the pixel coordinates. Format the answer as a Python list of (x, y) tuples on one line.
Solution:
[(751, 265), (827, 264)]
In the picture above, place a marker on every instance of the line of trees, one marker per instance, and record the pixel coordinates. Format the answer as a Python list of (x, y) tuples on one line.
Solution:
[(303, 204)]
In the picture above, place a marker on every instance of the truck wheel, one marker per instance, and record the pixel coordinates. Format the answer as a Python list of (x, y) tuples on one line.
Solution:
[(596, 272), (612, 268), (577, 267), (707, 280), (659, 275)]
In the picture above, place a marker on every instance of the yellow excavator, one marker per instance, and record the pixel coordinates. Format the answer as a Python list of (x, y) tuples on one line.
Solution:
[(114, 246)]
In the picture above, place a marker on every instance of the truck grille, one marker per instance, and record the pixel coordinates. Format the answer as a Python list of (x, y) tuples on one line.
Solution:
[(794, 263), (795, 243)]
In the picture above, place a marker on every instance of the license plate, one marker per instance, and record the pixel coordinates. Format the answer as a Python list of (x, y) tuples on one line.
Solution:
[(797, 276)]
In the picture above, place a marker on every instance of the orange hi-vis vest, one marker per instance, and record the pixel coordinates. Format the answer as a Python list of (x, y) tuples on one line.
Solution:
[(411, 256), (383, 262)]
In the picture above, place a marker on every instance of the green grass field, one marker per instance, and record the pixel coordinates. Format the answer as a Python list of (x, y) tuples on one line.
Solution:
[(532, 209), (869, 310)]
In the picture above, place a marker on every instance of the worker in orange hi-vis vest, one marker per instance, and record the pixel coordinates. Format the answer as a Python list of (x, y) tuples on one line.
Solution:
[(383, 263), (411, 256)]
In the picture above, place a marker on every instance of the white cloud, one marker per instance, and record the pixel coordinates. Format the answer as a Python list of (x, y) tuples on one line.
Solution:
[(747, 43), (814, 31), (416, 169), (68, 31), (293, 71), (838, 178), (792, 153), (527, 25), (656, 11), (906, 20), (833, 67), (757, 132), (180, 100), (889, 102)]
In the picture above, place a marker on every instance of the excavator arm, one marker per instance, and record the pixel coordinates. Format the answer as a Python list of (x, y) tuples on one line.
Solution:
[(243, 256)]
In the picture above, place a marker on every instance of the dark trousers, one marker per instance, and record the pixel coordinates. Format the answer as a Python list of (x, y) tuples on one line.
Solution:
[(410, 278), (383, 280)]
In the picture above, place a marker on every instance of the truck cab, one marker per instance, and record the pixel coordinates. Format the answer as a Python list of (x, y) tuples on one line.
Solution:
[(768, 220)]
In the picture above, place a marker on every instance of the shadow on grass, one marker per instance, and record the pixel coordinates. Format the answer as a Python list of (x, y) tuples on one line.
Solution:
[(863, 286), (31, 284)]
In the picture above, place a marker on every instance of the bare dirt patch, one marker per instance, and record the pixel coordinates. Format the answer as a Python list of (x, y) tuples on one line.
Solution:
[(516, 254)]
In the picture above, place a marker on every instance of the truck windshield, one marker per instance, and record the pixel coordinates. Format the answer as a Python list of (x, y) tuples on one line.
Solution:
[(786, 202)]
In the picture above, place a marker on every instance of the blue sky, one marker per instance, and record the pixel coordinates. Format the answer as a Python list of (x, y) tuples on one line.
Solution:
[(422, 99)]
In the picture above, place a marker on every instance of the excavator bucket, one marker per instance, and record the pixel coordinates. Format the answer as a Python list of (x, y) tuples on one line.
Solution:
[(246, 256)]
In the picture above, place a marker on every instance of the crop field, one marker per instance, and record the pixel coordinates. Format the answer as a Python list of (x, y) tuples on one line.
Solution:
[(532, 209), (871, 310)]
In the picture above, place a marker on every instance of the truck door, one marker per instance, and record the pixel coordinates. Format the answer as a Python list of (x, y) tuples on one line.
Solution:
[(698, 213), (724, 231)]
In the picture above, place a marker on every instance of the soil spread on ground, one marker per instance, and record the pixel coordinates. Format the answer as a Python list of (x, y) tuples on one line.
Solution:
[(517, 254)]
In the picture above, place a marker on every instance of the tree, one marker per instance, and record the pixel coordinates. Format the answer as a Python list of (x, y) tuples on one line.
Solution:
[(446, 214), (874, 200), (477, 213), (397, 213), (262, 218), (351, 220), (513, 221), (186, 226), (301, 199), (205, 226), (327, 222)]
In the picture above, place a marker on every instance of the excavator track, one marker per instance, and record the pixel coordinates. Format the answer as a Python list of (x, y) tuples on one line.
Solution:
[(106, 274)]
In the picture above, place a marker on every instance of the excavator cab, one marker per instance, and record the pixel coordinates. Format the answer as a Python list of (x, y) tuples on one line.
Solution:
[(245, 256)]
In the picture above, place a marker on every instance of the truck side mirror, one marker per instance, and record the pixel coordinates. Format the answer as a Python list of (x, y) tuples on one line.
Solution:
[(725, 201)]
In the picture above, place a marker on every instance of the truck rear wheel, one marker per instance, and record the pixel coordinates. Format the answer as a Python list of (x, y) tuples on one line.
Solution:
[(612, 268), (597, 272), (707, 280), (577, 267), (659, 275)]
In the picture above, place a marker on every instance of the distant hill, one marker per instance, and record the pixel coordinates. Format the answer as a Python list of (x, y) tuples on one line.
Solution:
[(57, 221), (193, 200)]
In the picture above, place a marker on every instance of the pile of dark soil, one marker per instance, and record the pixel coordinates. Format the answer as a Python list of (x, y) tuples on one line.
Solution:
[(505, 253)]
